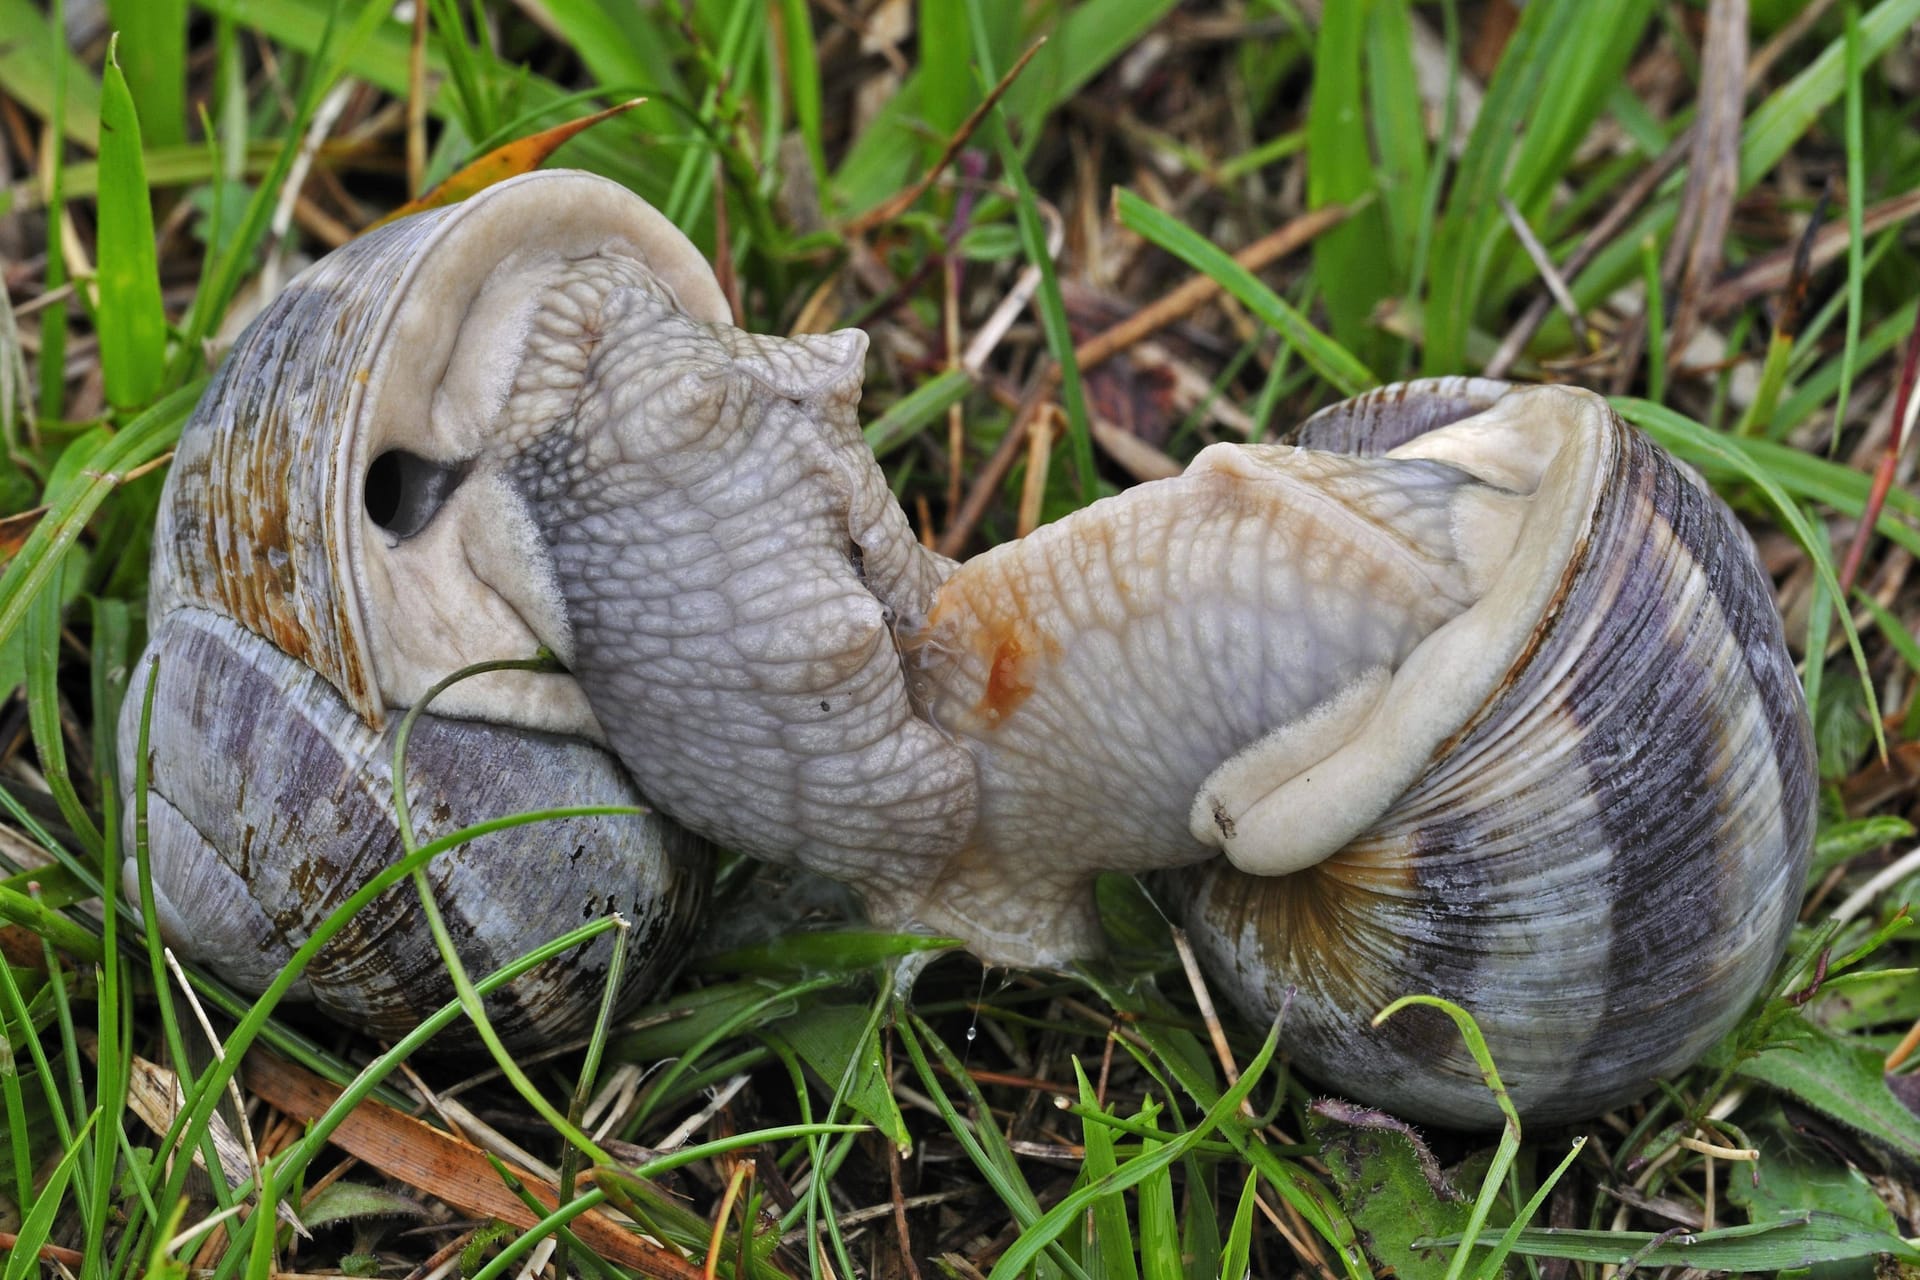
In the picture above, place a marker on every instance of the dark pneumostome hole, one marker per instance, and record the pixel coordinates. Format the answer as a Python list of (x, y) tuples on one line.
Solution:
[(404, 490)]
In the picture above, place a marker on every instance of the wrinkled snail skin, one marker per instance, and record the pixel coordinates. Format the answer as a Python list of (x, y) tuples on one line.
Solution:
[(328, 547), (733, 567), (1104, 667), (1480, 696)]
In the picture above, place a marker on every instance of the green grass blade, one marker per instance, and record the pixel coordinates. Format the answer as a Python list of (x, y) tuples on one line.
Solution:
[(1399, 132), (1822, 386), (140, 441), (1110, 1235), (153, 36), (914, 412), (1472, 204), (1509, 1144), (1340, 169), (1856, 213), (133, 327), (53, 1106), (1180, 1055), (1239, 1243), (53, 321), (1772, 129), (472, 98), (1048, 300), (42, 75), (1783, 1245), (1904, 644), (1494, 1264), (1221, 1115), (804, 94), (42, 920), (947, 90), (1160, 1246), (112, 644), (1776, 124), (1327, 357), (193, 1118), (24, 1260), (1820, 604), (45, 717), (1552, 83), (620, 49), (1664, 424), (1656, 305), (1090, 36), (983, 1143), (16, 1181)]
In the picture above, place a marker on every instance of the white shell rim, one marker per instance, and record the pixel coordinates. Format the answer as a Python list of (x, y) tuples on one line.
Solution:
[(557, 213)]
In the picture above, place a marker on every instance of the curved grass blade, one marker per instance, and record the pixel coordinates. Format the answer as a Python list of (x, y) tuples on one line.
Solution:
[(1328, 358), (1509, 1145)]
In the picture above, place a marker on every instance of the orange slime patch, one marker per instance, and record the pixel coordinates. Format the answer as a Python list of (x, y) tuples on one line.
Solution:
[(1007, 684), (1017, 647)]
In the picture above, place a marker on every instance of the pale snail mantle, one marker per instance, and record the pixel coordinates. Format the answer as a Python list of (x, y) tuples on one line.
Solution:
[(1477, 692)]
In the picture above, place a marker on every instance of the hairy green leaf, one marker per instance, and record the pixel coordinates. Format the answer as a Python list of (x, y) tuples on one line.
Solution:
[(1390, 1185)]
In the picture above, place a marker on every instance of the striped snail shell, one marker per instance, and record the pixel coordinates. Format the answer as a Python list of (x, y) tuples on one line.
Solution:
[(1601, 859), (329, 546)]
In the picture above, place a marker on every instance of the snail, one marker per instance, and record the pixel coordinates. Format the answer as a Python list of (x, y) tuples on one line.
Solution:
[(1475, 693), (299, 597), (1641, 768)]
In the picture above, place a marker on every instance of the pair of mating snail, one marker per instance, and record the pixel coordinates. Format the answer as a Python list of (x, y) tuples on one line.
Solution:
[(1477, 691)]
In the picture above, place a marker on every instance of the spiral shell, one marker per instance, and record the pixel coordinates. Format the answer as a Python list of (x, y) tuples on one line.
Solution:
[(328, 549), (270, 803), (1601, 863)]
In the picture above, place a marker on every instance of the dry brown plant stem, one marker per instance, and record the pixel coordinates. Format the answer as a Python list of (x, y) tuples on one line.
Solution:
[(888, 210), (417, 102), (1883, 473)]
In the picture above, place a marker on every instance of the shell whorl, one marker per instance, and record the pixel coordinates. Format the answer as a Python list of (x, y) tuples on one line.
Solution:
[(270, 803), (1602, 865)]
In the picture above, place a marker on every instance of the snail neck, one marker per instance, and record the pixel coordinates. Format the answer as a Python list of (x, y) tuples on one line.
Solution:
[(734, 571)]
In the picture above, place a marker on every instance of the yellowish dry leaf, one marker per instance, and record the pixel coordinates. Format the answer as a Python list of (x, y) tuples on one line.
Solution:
[(523, 155)]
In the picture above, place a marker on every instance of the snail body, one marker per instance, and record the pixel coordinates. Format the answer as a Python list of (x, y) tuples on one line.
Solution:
[(1499, 710), (1384, 714)]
